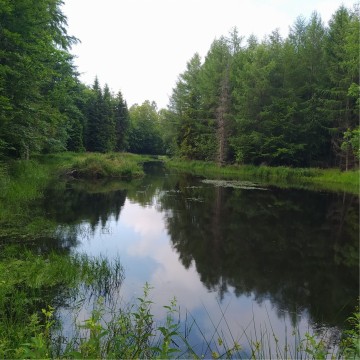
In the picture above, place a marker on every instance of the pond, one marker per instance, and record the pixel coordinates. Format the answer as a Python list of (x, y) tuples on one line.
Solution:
[(243, 261)]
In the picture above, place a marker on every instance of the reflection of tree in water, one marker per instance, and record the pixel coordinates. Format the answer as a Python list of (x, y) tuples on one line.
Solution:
[(299, 249), (296, 248), (71, 204), (62, 212)]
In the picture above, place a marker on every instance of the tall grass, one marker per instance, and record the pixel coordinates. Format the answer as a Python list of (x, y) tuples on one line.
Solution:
[(22, 183), (312, 178), (132, 333), (30, 283), (96, 165)]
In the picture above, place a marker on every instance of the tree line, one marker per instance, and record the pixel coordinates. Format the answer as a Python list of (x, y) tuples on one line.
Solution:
[(280, 101), (44, 107), (292, 101)]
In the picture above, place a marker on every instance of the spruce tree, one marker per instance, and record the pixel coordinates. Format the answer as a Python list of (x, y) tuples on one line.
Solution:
[(34, 60), (122, 122), (342, 56)]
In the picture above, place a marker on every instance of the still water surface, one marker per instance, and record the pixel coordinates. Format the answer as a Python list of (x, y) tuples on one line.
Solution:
[(238, 257)]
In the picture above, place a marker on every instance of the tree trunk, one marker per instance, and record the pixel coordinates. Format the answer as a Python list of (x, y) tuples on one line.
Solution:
[(221, 117)]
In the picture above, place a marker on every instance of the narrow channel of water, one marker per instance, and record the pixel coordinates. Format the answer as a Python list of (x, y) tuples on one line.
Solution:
[(242, 260)]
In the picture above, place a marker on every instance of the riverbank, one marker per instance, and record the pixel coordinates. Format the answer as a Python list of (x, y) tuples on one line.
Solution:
[(285, 177), (124, 166)]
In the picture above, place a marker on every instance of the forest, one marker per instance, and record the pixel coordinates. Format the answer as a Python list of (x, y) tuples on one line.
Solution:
[(290, 101)]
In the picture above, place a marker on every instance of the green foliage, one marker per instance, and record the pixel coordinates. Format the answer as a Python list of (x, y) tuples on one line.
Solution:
[(22, 183), (43, 107), (279, 102), (351, 142), (122, 123), (144, 131), (168, 331), (316, 349), (131, 333), (30, 282), (36, 73), (350, 344), (110, 165), (195, 138), (342, 50), (100, 121)]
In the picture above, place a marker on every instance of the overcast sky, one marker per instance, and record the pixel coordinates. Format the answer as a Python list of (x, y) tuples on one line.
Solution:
[(140, 47)]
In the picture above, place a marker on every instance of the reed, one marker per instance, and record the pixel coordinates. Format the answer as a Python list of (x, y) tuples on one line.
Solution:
[(33, 284), (132, 333)]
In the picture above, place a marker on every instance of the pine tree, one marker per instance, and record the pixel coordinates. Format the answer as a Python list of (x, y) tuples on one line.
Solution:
[(196, 139), (94, 117), (107, 126), (122, 122), (215, 83), (342, 55), (34, 60)]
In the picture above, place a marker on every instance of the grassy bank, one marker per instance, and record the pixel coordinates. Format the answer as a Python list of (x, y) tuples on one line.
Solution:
[(95, 165), (22, 184), (312, 178)]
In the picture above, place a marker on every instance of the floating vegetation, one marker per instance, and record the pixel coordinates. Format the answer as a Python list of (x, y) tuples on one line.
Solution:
[(236, 184), (195, 199)]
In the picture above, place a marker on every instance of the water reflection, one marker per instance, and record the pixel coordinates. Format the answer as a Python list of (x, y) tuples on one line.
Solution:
[(288, 246), (278, 256)]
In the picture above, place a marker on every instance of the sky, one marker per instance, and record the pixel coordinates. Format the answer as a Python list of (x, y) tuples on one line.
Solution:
[(140, 47)]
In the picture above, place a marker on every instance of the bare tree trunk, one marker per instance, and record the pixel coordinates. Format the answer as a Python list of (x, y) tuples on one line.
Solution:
[(347, 160), (221, 117)]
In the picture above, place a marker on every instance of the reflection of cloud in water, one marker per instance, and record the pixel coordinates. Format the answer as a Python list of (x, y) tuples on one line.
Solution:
[(170, 278), (143, 220), (141, 240)]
